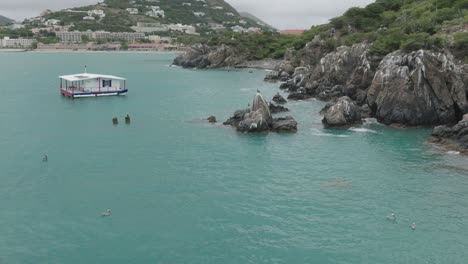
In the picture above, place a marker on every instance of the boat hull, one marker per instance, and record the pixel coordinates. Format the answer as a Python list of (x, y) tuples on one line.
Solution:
[(93, 94)]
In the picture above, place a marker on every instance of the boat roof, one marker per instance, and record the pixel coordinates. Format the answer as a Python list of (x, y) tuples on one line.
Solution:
[(88, 76)]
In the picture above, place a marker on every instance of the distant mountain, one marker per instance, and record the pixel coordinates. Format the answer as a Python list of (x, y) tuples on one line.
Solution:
[(121, 15), (257, 20), (4, 20)]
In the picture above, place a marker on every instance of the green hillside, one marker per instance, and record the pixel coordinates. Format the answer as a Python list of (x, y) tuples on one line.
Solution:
[(257, 20), (118, 19), (4, 20), (388, 25)]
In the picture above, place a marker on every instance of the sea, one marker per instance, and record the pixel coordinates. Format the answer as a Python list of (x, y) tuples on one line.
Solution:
[(182, 190)]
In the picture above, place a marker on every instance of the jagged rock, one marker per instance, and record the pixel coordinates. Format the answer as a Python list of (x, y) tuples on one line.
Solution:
[(342, 112), (274, 109), (301, 70), (455, 137), (202, 56), (366, 112), (272, 76), (285, 66), (211, 119), (279, 99), (300, 94), (419, 88), (259, 117), (284, 125), (236, 118)]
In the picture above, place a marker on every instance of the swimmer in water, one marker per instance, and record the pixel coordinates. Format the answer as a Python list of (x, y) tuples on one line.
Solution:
[(391, 217), (413, 226), (45, 158), (108, 212)]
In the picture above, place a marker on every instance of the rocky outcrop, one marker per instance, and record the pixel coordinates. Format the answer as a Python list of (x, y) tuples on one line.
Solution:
[(212, 119), (284, 125), (417, 89), (202, 56), (341, 113), (274, 109), (348, 71), (259, 119), (455, 137), (279, 99)]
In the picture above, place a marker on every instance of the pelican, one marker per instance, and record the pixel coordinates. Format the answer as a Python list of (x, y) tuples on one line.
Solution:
[(413, 226), (391, 217), (108, 212)]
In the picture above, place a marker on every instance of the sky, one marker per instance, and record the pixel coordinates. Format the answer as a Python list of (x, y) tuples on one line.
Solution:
[(282, 14)]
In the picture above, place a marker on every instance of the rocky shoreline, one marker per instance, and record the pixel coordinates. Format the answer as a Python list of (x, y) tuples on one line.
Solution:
[(411, 89)]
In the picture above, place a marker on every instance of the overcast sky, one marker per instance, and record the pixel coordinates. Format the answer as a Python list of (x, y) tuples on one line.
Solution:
[(283, 14)]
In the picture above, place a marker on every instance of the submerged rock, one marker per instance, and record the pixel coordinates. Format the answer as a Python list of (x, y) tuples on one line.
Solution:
[(455, 137), (418, 88), (340, 113), (211, 119)]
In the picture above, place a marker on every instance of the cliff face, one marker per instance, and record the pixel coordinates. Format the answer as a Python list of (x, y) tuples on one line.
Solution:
[(419, 88), (202, 56)]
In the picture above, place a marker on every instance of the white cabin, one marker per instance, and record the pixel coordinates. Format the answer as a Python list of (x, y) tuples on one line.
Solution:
[(92, 85)]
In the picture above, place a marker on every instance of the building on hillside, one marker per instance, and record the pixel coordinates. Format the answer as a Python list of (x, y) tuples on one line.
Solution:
[(155, 12), (16, 25), (69, 37), (199, 14), (292, 31), (89, 18), (183, 28), (216, 27), (150, 27), (6, 42), (132, 11), (97, 12)]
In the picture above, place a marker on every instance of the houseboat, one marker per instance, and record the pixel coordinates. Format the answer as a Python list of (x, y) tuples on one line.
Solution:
[(92, 85)]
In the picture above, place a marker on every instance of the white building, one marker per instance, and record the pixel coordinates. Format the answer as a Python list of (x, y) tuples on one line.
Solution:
[(199, 14), (132, 11), (99, 13), (183, 28), (69, 37), (16, 43), (155, 12)]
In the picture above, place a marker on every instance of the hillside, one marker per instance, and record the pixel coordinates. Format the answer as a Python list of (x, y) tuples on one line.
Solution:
[(386, 25), (257, 20), (4, 20), (201, 13)]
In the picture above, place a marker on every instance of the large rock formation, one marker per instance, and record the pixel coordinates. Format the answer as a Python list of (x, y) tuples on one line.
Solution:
[(202, 56), (258, 119), (419, 88), (455, 137), (341, 113), (346, 71)]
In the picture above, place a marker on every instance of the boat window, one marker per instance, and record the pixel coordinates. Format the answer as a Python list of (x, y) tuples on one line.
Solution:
[(106, 83)]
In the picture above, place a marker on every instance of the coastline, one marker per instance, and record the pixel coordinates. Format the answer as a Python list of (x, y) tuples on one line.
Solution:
[(102, 51)]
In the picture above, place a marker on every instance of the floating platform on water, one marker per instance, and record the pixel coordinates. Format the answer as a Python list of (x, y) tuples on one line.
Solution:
[(92, 85)]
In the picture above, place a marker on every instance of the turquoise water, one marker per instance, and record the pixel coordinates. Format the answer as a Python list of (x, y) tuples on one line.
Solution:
[(184, 191)]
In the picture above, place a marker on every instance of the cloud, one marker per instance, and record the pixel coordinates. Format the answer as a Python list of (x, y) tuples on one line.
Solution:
[(280, 13)]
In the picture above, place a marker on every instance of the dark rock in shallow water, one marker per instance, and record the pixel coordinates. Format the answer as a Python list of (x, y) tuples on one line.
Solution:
[(279, 99), (417, 89), (212, 119), (236, 118), (274, 109), (299, 95), (284, 125), (341, 113), (455, 137)]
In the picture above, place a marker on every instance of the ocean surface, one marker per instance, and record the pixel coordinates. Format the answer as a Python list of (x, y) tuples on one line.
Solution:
[(185, 191)]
